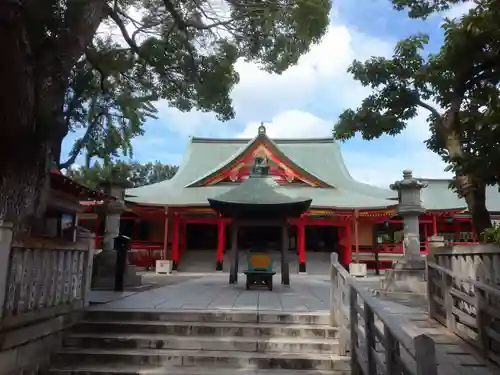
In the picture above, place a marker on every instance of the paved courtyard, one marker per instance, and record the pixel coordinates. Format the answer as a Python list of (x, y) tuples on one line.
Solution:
[(307, 293)]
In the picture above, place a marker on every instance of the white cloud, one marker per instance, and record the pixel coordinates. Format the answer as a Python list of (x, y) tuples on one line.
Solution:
[(291, 124), (458, 10), (381, 170), (319, 80), (319, 74)]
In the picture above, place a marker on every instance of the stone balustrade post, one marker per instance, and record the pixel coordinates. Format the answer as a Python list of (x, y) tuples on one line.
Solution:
[(6, 230), (434, 243), (85, 236)]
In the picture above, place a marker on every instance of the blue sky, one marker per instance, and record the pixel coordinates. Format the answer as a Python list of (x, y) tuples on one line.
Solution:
[(306, 100)]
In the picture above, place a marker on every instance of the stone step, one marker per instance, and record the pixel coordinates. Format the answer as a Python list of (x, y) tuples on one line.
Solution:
[(239, 343), (153, 370), (206, 329), (200, 358), (209, 316)]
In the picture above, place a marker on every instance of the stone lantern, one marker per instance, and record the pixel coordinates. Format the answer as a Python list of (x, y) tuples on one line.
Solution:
[(410, 208), (105, 262), (408, 274), (113, 210)]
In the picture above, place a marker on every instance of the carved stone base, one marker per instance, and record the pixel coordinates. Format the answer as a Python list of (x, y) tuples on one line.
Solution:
[(406, 277), (410, 264), (103, 272)]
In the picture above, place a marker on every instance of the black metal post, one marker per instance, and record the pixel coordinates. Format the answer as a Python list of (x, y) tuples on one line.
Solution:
[(233, 271), (122, 244)]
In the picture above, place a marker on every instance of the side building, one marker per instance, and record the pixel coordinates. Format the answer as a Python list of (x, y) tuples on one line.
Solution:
[(173, 219)]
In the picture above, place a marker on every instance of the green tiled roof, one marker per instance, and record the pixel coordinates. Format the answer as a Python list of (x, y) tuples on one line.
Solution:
[(319, 157), (242, 150), (437, 196), (259, 190)]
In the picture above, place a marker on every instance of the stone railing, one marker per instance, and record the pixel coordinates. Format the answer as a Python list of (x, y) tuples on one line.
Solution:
[(45, 279), (464, 295), (44, 288), (480, 262), (375, 340)]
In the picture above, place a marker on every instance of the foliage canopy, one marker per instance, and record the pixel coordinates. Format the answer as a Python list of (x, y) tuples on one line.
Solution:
[(132, 173), (64, 73), (458, 86), (180, 51)]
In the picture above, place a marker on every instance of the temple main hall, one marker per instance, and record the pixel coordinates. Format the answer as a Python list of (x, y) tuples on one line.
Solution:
[(321, 208)]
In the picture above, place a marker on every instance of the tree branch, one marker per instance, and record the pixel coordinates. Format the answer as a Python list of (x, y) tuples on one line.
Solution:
[(182, 26), (83, 18), (80, 144), (428, 107), (121, 25)]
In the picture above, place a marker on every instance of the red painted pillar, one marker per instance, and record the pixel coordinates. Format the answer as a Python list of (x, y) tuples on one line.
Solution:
[(434, 225), (426, 239), (348, 244), (183, 239), (456, 232), (175, 242), (165, 238), (301, 244), (221, 244)]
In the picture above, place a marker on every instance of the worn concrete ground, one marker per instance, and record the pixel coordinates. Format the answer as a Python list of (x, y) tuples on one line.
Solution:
[(213, 292)]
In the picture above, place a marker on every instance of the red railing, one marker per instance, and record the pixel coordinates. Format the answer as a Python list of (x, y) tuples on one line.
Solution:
[(145, 254)]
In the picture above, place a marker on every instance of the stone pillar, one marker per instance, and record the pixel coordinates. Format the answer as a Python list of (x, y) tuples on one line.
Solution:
[(113, 210), (5, 244), (408, 274), (435, 243), (410, 208), (85, 236)]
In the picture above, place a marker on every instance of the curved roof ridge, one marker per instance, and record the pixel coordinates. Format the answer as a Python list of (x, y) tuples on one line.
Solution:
[(261, 136), (276, 140), (224, 163)]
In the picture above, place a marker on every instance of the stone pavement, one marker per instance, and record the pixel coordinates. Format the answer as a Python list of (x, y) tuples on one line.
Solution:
[(211, 292)]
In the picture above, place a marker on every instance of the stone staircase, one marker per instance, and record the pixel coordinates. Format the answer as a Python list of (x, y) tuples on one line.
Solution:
[(200, 343)]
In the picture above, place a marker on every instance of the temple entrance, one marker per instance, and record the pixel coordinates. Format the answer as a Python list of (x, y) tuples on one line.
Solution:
[(255, 237), (199, 254), (201, 237), (322, 239), (320, 242)]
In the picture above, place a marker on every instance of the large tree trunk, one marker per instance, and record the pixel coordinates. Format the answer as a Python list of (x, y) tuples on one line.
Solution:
[(35, 72), (23, 183), (475, 197), (473, 192)]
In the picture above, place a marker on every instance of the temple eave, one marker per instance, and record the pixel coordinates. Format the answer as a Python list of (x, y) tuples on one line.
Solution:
[(256, 210)]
